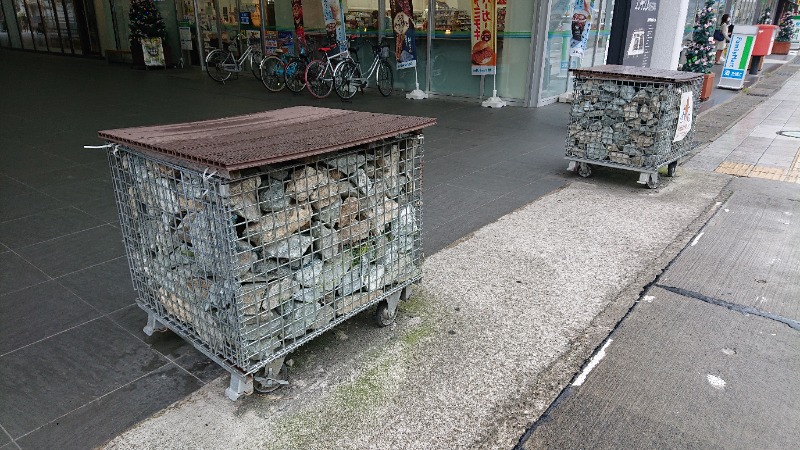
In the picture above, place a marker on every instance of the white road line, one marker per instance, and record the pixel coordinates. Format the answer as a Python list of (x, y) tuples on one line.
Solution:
[(592, 364), (694, 242)]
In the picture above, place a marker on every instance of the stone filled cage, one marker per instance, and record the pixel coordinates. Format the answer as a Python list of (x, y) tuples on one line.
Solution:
[(627, 116), (249, 266)]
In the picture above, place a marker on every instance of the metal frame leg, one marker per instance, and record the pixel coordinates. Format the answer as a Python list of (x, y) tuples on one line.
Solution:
[(406, 293), (240, 385), (153, 325)]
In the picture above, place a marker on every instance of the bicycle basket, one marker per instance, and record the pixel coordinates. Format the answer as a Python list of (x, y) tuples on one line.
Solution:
[(385, 52)]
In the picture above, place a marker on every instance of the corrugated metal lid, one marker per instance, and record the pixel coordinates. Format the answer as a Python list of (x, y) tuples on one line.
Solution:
[(252, 140), (636, 73)]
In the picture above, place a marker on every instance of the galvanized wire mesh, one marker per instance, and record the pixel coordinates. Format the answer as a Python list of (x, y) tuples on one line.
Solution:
[(631, 123), (249, 269)]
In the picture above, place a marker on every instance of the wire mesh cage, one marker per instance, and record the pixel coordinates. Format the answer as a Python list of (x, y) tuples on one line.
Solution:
[(629, 121), (251, 267)]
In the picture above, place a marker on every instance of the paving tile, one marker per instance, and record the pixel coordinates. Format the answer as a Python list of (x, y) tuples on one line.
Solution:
[(5, 439), (16, 274), (169, 344), (11, 188), (104, 208), (446, 202), (82, 191), (43, 226), (76, 251), (67, 371), (106, 286), (35, 313), (66, 176), (99, 421), (31, 161), (24, 204)]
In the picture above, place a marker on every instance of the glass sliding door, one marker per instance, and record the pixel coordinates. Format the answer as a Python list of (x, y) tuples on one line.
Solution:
[(56, 26)]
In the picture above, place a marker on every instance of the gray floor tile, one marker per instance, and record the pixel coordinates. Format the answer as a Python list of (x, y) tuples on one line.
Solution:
[(104, 208), (31, 161), (43, 226), (16, 274), (11, 188), (75, 252), (17, 206), (81, 191), (5, 439), (132, 319), (33, 314), (66, 176), (105, 286), (95, 423), (200, 366), (446, 202), (67, 371)]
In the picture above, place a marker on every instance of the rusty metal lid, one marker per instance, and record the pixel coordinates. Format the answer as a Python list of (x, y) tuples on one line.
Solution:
[(241, 142), (630, 73)]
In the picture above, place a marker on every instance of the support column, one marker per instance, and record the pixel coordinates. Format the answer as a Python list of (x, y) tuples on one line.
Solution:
[(669, 34)]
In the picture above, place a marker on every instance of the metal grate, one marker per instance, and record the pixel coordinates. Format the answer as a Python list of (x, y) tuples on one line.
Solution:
[(236, 143), (628, 123), (250, 268)]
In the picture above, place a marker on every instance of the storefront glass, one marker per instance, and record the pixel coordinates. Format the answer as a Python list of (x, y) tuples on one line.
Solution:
[(406, 79), (555, 73), (450, 50), (5, 39), (57, 26)]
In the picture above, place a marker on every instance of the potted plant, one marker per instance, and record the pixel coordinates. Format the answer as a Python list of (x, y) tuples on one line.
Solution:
[(785, 34), (700, 52), (145, 22)]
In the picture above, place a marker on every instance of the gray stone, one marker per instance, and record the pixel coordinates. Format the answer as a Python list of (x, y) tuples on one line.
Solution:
[(308, 275), (326, 241), (330, 214), (362, 181), (325, 315), (292, 247), (273, 196), (626, 93), (325, 195), (351, 282), (278, 292), (307, 295), (596, 151), (350, 210), (333, 271), (406, 221), (348, 164), (355, 232), (262, 325), (299, 319), (349, 303), (297, 263), (271, 269), (374, 277), (278, 225)]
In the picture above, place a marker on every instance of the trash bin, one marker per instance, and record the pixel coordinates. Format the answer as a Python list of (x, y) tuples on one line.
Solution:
[(631, 118), (249, 236)]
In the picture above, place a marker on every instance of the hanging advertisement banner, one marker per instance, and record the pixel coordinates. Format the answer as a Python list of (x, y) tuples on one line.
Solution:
[(581, 26), (484, 37), (405, 42), (740, 48), (685, 116), (334, 23), (796, 37), (297, 17), (641, 33)]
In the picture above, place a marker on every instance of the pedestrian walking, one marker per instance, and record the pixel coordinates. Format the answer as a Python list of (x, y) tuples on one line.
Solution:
[(722, 36)]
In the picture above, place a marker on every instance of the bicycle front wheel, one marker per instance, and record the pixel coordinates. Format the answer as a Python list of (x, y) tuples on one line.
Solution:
[(318, 80), (295, 74), (215, 65), (346, 79), (385, 79), (255, 63), (272, 70)]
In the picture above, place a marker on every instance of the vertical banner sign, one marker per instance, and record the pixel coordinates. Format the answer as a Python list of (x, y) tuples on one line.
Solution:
[(685, 116), (334, 23), (581, 26), (185, 34), (484, 37), (405, 42), (739, 49), (641, 33), (297, 16), (796, 36)]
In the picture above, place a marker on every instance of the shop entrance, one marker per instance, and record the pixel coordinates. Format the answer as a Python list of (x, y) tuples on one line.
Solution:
[(56, 26)]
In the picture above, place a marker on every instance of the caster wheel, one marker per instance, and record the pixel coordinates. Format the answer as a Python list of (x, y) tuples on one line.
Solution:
[(584, 170), (671, 168), (382, 316), (265, 384)]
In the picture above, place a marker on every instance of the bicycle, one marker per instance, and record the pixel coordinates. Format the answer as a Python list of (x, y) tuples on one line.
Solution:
[(277, 71), (221, 64), (319, 73), (348, 78)]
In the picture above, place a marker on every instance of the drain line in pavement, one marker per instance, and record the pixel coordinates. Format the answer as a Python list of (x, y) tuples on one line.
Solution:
[(732, 306)]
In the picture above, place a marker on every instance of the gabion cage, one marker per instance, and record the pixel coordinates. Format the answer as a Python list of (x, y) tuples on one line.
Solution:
[(628, 116), (252, 265)]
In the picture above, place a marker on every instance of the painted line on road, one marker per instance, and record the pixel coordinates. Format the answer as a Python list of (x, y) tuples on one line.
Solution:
[(732, 306), (592, 364), (697, 238)]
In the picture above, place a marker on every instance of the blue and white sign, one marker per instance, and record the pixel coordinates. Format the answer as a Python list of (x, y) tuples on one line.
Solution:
[(739, 49)]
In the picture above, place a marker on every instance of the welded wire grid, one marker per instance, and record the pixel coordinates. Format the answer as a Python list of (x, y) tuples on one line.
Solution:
[(249, 269), (628, 122)]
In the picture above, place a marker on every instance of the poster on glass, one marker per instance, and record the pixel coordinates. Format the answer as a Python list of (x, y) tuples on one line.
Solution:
[(406, 44), (484, 37), (581, 26), (334, 23)]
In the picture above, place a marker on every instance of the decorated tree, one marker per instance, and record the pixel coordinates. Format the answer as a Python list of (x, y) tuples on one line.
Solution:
[(786, 31), (699, 52), (766, 16), (145, 21)]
